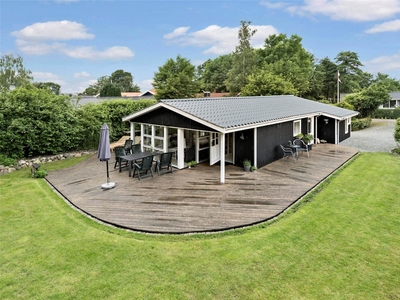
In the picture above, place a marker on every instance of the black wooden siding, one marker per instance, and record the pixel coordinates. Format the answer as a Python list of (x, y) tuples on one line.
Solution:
[(342, 130), (165, 117), (269, 139)]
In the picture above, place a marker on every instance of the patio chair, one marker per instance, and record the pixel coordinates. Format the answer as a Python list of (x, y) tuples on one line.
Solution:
[(303, 147), (128, 146), (120, 151), (136, 148), (288, 152), (164, 162), (143, 166)]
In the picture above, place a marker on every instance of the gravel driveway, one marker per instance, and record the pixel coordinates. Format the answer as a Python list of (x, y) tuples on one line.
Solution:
[(377, 138)]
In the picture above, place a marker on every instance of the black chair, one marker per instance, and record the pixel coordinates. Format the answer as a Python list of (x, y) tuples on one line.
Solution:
[(302, 146), (164, 162), (128, 146), (120, 151), (136, 148), (143, 166), (288, 152)]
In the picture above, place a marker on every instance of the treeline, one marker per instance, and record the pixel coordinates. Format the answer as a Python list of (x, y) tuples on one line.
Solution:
[(35, 122)]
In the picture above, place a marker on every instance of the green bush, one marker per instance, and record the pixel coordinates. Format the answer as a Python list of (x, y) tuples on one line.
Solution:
[(7, 161), (35, 122), (39, 174), (397, 131), (358, 124), (386, 113)]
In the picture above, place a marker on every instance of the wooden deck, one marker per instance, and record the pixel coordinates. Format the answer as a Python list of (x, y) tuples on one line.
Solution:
[(193, 200)]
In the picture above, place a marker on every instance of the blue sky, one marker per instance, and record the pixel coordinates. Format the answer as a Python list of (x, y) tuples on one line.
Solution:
[(74, 42)]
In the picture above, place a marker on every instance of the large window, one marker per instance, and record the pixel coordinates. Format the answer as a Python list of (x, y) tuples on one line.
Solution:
[(153, 138), (296, 127)]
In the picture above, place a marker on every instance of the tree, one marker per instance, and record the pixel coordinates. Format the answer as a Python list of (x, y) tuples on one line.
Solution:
[(243, 59), (214, 73), (392, 84), (328, 70), (369, 99), (124, 80), (51, 86), (95, 88), (110, 90), (13, 72), (350, 73), (287, 58), (264, 83), (176, 79)]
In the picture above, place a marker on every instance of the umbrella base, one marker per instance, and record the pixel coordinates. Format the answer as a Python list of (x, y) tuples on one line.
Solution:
[(108, 185)]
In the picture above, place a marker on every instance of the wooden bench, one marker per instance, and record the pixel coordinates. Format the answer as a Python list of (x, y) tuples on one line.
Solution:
[(121, 142)]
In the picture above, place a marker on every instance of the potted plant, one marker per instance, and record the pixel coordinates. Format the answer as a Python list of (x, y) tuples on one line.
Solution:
[(253, 168), (307, 138), (247, 165), (191, 163)]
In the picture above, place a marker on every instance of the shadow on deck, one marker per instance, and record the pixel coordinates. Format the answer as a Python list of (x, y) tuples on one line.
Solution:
[(193, 200)]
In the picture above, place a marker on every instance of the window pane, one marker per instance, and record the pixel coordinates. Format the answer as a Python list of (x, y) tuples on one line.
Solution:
[(147, 141), (159, 144), (159, 131), (147, 129)]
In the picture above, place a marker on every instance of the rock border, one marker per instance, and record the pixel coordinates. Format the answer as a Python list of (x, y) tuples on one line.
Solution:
[(28, 162)]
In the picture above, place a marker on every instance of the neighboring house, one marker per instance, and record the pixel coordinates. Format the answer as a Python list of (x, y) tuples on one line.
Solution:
[(149, 94), (394, 101), (231, 129), (214, 94)]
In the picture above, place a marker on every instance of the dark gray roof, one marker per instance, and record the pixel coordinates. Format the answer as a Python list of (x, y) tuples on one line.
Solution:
[(228, 112), (395, 95)]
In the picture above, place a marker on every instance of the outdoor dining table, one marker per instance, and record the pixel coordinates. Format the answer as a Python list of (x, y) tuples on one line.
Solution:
[(133, 157), (294, 149)]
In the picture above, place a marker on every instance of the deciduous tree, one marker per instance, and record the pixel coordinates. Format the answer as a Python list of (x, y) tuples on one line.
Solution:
[(13, 72), (176, 79)]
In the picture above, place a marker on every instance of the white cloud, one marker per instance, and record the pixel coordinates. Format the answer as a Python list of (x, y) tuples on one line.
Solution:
[(177, 32), (60, 30), (351, 10), (82, 74), (385, 27), (43, 39), (274, 5), (145, 85), (47, 77), (89, 52), (222, 40), (384, 64)]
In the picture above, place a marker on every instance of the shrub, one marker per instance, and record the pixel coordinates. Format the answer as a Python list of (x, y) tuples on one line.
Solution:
[(39, 174), (397, 131), (386, 113), (7, 161), (358, 124)]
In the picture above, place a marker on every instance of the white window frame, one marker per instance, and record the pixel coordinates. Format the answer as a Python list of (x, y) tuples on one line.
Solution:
[(346, 125), (294, 127)]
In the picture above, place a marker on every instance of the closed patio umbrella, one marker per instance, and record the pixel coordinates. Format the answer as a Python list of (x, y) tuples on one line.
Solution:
[(104, 153)]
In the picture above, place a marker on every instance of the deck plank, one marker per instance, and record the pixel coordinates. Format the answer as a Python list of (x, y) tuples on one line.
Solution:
[(193, 200)]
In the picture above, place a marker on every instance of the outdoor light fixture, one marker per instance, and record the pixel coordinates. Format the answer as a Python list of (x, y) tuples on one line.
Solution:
[(242, 137)]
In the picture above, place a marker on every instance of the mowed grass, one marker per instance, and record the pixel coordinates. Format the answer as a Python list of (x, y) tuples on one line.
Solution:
[(342, 242)]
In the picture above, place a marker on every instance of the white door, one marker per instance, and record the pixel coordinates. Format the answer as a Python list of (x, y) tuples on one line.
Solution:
[(215, 151)]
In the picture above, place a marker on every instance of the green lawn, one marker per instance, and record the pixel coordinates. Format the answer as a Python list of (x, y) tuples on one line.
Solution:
[(343, 242)]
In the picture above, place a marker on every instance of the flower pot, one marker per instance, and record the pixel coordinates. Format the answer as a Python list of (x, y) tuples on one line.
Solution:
[(247, 168)]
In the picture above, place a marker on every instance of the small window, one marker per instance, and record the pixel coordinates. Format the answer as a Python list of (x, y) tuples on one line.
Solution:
[(296, 127)]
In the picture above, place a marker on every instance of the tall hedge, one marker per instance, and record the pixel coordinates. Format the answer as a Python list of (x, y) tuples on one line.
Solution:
[(35, 121), (397, 131)]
